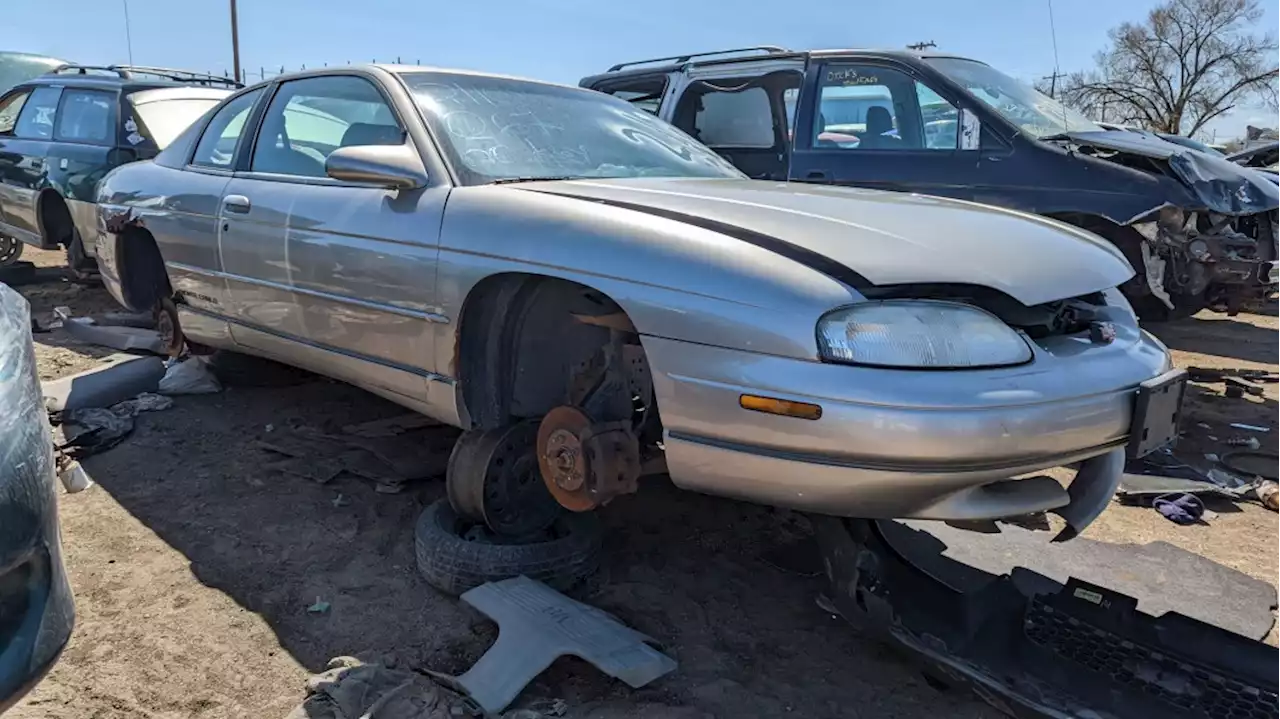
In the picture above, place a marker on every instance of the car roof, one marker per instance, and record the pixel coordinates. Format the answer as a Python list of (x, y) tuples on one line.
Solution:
[(406, 70), (763, 53), (128, 77)]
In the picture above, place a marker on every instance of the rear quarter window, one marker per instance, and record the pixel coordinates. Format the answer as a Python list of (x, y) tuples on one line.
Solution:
[(161, 121)]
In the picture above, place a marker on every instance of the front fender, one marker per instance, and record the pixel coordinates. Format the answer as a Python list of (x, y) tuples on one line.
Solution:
[(673, 280)]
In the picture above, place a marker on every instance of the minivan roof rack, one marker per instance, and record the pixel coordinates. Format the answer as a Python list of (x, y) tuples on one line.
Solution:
[(132, 72), (680, 59)]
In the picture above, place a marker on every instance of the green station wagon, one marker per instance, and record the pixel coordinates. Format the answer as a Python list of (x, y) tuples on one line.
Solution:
[(61, 132)]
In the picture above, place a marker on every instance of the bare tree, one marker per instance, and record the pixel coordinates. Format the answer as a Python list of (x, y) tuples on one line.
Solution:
[(1189, 62)]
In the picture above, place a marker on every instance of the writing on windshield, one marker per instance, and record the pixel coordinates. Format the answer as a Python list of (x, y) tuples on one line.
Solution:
[(499, 128)]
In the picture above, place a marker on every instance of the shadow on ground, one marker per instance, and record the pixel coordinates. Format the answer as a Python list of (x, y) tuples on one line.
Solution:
[(1222, 336), (683, 568)]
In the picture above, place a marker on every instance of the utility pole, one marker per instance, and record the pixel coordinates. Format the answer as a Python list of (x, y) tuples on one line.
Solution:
[(922, 46), (1053, 82), (235, 42)]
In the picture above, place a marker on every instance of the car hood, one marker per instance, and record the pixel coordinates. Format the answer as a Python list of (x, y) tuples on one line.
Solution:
[(1217, 183), (1260, 156), (887, 238)]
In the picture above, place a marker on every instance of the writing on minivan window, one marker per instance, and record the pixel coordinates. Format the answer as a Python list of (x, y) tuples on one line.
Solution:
[(495, 128)]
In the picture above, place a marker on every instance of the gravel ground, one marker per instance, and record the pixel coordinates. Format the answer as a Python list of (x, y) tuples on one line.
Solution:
[(193, 567)]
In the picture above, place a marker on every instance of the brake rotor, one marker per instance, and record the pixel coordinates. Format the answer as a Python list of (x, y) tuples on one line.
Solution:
[(493, 477), (563, 457), (10, 250)]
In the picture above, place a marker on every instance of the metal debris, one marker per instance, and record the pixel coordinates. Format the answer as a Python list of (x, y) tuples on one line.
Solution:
[(1250, 427)]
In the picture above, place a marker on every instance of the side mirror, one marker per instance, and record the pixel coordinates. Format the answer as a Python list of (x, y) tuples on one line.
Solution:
[(970, 130), (393, 166)]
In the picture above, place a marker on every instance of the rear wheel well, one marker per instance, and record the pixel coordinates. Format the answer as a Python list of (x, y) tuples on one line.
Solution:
[(526, 343), (56, 226), (143, 279)]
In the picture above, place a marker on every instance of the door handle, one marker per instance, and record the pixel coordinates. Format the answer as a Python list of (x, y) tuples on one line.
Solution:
[(818, 175), (238, 204)]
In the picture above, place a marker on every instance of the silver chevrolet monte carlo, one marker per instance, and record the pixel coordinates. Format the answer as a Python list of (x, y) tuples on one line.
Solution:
[(595, 296)]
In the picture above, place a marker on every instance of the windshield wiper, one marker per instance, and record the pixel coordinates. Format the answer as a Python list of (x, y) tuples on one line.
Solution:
[(548, 178)]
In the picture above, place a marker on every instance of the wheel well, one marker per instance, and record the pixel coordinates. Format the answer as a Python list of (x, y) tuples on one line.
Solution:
[(56, 225), (526, 342), (143, 279)]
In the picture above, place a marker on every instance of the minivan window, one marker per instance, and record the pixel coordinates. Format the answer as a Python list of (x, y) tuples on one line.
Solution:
[(36, 119), (1035, 113), (86, 116), (735, 119)]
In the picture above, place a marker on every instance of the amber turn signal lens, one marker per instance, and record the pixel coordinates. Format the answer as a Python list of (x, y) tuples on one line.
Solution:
[(784, 407)]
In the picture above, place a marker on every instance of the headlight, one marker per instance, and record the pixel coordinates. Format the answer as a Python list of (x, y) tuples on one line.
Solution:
[(919, 334)]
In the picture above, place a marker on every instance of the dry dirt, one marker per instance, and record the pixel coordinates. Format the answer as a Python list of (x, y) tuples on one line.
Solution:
[(193, 567)]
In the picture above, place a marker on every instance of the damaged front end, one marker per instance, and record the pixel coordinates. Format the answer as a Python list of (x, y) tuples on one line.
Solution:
[(1212, 242), (1225, 260)]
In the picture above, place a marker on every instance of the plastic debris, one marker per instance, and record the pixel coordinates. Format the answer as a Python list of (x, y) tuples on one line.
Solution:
[(188, 376), (1212, 457), (1250, 442), (320, 607), (120, 377), (536, 625), (115, 336), (1250, 427)]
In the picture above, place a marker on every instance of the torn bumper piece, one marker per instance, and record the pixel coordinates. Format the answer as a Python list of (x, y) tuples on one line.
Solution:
[(1032, 647)]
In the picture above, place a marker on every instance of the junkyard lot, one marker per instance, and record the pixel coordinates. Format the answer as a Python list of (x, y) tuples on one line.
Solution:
[(193, 567)]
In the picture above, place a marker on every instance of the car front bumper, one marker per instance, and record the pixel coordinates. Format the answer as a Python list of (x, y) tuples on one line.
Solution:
[(893, 443)]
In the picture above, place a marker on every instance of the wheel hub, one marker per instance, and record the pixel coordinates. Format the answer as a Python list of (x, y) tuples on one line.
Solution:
[(584, 463), (10, 250)]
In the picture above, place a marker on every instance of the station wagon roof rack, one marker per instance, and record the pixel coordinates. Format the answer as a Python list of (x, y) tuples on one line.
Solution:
[(133, 72), (678, 59)]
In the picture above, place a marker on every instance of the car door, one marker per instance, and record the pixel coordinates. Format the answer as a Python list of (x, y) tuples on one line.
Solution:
[(10, 105), (22, 162), (191, 230), (873, 123), (359, 261), (83, 151)]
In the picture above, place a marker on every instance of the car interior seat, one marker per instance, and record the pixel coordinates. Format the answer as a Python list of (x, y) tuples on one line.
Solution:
[(879, 122)]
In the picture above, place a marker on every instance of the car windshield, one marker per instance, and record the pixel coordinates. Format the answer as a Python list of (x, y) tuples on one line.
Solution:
[(499, 129), (1036, 113), (166, 119)]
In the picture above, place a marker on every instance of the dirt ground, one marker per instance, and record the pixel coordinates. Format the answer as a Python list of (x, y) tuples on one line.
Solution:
[(193, 567)]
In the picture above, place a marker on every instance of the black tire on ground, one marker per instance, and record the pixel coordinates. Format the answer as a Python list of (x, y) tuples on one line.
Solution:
[(453, 563), (234, 369), (1150, 308)]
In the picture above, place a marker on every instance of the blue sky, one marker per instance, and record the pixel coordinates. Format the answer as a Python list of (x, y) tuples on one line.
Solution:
[(562, 40)]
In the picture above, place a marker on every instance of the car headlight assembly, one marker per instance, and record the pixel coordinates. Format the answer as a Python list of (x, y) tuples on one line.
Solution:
[(919, 334)]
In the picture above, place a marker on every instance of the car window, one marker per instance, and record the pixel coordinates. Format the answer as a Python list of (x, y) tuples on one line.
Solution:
[(36, 119), (164, 120), (733, 119), (9, 109), (217, 146), (868, 107), (85, 116), (310, 118), (643, 94)]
